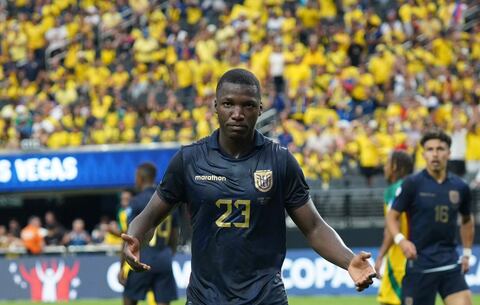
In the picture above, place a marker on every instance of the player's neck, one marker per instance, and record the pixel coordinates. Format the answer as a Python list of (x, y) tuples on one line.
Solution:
[(235, 148), (439, 175)]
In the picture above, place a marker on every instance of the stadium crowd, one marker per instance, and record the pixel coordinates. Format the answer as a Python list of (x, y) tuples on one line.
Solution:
[(38, 234), (350, 80)]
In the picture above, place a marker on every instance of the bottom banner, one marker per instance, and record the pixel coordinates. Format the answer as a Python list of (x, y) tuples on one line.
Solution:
[(63, 278)]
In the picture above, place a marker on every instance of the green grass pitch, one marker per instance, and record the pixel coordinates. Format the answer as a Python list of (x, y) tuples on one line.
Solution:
[(334, 300)]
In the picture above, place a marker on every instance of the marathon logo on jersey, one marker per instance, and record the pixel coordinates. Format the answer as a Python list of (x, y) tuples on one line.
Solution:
[(210, 178), (47, 282), (454, 197), (263, 180)]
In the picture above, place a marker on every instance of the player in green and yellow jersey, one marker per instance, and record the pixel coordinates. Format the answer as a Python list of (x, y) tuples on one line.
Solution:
[(398, 165)]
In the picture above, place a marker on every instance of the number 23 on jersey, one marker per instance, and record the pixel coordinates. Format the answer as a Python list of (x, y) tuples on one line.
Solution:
[(229, 205)]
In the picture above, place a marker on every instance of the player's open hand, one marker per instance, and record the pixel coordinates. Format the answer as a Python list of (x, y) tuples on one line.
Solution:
[(131, 251), (465, 264), (408, 249), (361, 272)]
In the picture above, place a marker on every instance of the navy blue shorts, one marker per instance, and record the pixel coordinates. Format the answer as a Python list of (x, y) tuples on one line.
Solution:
[(161, 283), (273, 293), (421, 288)]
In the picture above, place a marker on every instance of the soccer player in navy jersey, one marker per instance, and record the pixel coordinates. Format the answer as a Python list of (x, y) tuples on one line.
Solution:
[(433, 199), (237, 185), (158, 250)]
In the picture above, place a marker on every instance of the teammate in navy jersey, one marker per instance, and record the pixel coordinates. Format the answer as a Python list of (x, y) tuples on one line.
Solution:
[(158, 250), (432, 199), (238, 185)]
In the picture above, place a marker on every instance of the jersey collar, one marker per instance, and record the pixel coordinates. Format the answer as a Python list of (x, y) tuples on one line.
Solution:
[(213, 140), (447, 177)]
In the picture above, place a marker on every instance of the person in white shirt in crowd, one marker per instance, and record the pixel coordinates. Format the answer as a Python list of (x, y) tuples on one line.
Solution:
[(277, 66), (456, 163)]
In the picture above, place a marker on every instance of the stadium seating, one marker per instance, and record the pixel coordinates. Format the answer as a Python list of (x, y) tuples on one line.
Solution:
[(372, 77)]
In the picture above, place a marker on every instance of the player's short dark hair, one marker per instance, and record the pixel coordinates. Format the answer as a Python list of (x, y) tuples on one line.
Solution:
[(402, 162), (148, 171), (436, 134), (241, 77)]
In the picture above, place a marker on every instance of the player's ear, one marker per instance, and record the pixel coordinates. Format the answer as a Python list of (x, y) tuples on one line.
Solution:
[(215, 104)]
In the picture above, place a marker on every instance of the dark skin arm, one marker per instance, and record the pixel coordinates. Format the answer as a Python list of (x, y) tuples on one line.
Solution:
[(326, 242), (141, 230)]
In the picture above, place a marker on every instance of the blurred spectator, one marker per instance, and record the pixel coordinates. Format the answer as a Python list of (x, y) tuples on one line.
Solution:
[(100, 231), (4, 240), (106, 232), (32, 67), (122, 215), (55, 230), (473, 143), (319, 140), (456, 163), (369, 152), (284, 137), (32, 236), (57, 36), (78, 236), (277, 65), (14, 228), (102, 234), (111, 238)]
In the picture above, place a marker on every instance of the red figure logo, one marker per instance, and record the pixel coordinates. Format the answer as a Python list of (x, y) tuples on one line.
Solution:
[(48, 283)]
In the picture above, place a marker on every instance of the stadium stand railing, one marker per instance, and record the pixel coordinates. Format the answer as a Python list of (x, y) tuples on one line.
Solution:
[(360, 207), (65, 250), (267, 121)]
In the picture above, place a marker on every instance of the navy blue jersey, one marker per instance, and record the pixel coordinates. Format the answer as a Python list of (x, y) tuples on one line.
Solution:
[(432, 209), (237, 208), (156, 253)]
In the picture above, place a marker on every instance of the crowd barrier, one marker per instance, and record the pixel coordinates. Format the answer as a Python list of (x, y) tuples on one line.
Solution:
[(80, 276)]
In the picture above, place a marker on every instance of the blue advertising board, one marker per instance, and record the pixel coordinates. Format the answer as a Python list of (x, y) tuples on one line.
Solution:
[(62, 278), (77, 170)]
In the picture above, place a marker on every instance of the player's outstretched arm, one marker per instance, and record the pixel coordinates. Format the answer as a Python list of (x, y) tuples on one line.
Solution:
[(326, 242), (140, 230)]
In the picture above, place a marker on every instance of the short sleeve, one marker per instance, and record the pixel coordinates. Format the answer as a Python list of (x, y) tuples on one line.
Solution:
[(172, 187), (296, 188), (465, 207), (404, 195)]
